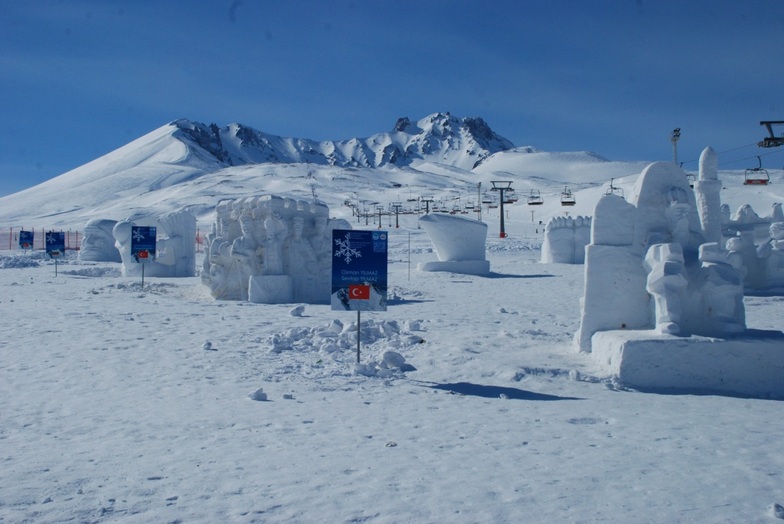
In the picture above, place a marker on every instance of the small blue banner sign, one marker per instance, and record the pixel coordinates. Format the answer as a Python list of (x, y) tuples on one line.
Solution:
[(143, 243), (359, 270), (26, 239), (55, 244)]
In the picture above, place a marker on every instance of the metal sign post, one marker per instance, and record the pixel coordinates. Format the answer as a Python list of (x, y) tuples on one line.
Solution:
[(143, 240), (55, 246), (359, 273), (26, 239)]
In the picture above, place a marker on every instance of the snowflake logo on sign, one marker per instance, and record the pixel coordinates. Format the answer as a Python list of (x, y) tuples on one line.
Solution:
[(50, 238), (138, 235), (345, 251)]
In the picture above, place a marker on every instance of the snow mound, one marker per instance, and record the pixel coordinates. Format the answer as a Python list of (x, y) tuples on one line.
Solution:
[(18, 261)]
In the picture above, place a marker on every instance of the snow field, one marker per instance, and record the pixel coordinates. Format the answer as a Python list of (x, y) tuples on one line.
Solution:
[(114, 410)]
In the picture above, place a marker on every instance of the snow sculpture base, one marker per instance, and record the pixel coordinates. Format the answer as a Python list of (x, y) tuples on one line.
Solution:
[(270, 289), (466, 267), (750, 364)]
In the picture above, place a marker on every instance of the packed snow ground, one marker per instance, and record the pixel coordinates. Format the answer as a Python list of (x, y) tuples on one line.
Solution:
[(123, 404)]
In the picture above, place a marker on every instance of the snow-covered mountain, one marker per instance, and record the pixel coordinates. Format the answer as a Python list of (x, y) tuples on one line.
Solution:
[(193, 165), (440, 137)]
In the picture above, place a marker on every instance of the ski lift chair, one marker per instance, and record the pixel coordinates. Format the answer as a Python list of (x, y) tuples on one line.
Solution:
[(613, 190), (567, 198), (535, 198), (756, 176)]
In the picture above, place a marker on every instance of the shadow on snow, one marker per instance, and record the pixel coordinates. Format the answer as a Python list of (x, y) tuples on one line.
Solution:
[(479, 390)]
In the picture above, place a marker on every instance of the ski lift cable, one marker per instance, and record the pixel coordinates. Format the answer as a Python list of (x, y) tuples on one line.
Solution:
[(723, 152), (749, 158)]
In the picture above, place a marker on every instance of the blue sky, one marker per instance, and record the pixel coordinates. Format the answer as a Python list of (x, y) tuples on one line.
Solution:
[(81, 78)]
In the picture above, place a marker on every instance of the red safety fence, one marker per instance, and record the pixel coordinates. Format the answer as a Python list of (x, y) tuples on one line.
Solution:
[(9, 238)]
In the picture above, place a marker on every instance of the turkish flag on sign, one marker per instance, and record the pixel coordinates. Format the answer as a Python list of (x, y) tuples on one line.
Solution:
[(359, 292), (143, 254)]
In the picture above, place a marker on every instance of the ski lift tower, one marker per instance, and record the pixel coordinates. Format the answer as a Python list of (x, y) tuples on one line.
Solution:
[(501, 186), (674, 136), (427, 200)]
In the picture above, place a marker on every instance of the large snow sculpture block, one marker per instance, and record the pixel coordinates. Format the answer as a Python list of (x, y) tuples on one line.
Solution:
[(270, 250), (459, 243), (98, 242), (175, 251), (750, 364)]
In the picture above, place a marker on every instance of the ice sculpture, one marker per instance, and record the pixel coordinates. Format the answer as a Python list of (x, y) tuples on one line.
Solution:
[(175, 250), (270, 250), (459, 243), (98, 242), (565, 239)]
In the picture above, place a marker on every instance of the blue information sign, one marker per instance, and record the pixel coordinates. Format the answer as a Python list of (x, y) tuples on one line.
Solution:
[(143, 243), (55, 243), (359, 270), (26, 239)]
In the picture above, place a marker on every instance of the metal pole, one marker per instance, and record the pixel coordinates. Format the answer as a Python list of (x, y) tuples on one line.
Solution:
[(503, 233), (409, 256), (479, 198), (358, 331)]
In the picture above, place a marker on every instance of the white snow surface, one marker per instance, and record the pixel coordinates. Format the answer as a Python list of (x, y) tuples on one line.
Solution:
[(123, 404)]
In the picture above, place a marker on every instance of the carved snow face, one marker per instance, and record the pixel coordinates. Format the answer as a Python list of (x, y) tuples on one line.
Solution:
[(777, 231)]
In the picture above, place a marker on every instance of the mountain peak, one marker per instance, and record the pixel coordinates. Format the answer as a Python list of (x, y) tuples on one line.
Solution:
[(438, 138)]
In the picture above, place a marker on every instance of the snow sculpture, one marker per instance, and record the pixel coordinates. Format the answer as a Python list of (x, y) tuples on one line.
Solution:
[(759, 263), (666, 283), (663, 308), (270, 250), (175, 249), (565, 239), (771, 254), (708, 188), (644, 269), (459, 243), (721, 285), (98, 242)]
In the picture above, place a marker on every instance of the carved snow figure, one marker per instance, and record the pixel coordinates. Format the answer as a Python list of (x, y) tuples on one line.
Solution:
[(98, 242), (300, 262), (734, 247), (223, 276), (772, 257), (565, 239), (270, 250), (177, 246), (663, 309), (245, 251), (643, 268), (175, 250), (720, 289), (321, 243), (707, 189), (122, 235), (665, 283)]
